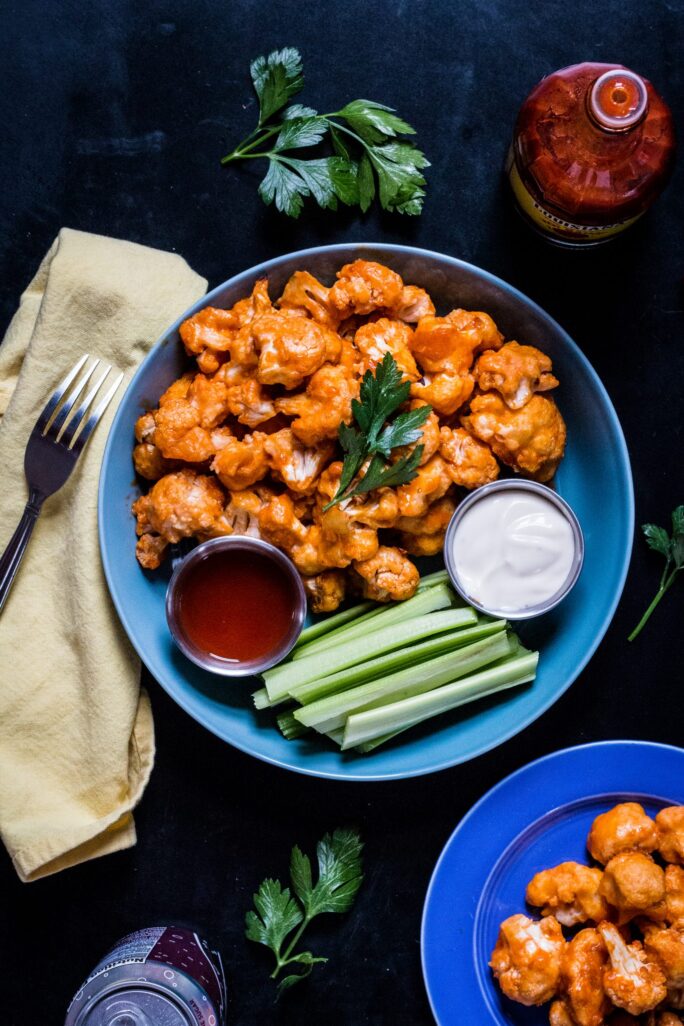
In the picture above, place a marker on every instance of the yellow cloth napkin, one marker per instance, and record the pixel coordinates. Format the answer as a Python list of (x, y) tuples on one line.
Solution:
[(76, 731)]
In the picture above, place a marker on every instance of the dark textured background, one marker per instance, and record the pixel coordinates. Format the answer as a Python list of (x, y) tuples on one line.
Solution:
[(113, 115)]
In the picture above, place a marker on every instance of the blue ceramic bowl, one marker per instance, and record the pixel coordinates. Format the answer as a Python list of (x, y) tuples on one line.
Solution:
[(594, 478)]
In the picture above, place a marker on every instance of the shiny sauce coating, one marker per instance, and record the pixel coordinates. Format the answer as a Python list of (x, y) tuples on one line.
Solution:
[(238, 606)]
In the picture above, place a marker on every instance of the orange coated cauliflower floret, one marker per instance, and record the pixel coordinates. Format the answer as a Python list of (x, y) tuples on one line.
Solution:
[(178, 506), (239, 464), (376, 338), (431, 482), (321, 409), (632, 883), (325, 590), (516, 372), (670, 826), (306, 295), (531, 440), (424, 535), (633, 980), (363, 287), (291, 348), (582, 969), (412, 304), (622, 828), (570, 892), (469, 462), (212, 332), (448, 344), (292, 462), (527, 959), (387, 576)]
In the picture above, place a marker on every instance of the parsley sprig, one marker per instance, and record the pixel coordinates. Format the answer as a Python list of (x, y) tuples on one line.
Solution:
[(375, 435), (672, 548), (278, 913), (368, 156)]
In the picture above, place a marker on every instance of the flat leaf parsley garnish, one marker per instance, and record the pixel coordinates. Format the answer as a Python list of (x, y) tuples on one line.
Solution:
[(368, 156), (375, 435), (672, 548), (278, 912)]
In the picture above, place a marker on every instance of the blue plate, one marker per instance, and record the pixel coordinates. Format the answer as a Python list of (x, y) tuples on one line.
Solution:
[(594, 478), (534, 819)]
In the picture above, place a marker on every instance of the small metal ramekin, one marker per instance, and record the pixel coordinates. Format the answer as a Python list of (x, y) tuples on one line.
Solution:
[(521, 485), (214, 663)]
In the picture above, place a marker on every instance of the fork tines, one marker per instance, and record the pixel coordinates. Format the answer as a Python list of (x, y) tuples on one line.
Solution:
[(59, 422)]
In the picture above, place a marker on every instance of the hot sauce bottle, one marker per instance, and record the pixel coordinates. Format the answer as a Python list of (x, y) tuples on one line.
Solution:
[(593, 147)]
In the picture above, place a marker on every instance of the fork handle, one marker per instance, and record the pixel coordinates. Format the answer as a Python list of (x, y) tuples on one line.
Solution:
[(12, 556)]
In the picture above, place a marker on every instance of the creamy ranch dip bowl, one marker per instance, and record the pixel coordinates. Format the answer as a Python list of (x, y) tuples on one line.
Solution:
[(513, 549)]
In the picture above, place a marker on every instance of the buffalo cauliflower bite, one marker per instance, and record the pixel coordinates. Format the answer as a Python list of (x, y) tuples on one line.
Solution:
[(670, 825), (429, 437), (179, 505), (470, 463), (247, 399), (320, 410), (412, 304), (211, 333), (387, 576), (291, 348), (292, 462), (445, 392), (633, 980), (449, 344), (306, 295), (626, 826), (241, 463), (582, 967), (664, 1017), (424, 535), (530, 440), (325, 591), (527, 959), (363, 287), (516, 372), (666, 946), (188, 413), (632, 883), (570, 892), (559, 1014), (375, 339), (431, 482)]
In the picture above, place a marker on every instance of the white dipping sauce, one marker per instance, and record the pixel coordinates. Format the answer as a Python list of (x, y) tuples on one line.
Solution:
[(512, 550)]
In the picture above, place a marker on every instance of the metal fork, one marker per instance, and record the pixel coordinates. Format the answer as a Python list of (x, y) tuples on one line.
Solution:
[(54, 445)]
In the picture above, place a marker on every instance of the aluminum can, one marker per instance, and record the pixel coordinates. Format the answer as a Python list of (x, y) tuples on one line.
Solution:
[(162, 976)]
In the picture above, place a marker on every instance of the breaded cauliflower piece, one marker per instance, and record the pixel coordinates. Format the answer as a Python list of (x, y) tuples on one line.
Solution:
[(297, 465), (470, 463), (431, 482), (326, 402), (582, 969), (527, 959), (570, 892), (449, 344), (241, 463), (632, 883), (530, 440), (445, 392), (670, 825), (307, 295), (180, 505), (363, 287), (325, 591), (247, 400), (375, 339), (516, 372), (412, 304), (624, 827), (291, 348), (424, 535), (210, 334), (633, 980), (387, 576)]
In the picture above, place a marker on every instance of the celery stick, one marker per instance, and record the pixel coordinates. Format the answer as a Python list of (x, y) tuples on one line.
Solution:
[(331, 623), (373, 723), (429, 580), (281, 678), (329, 713), (401, 657), (339, 632), (289, 726), (261, 699), (438, 597)]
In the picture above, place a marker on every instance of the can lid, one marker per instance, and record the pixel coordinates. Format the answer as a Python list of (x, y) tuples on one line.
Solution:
[(135, 1006)]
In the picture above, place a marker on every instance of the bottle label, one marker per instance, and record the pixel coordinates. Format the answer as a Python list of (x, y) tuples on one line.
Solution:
[(552, 224)]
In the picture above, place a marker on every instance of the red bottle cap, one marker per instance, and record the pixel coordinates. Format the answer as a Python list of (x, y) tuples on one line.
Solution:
[(618, 100)]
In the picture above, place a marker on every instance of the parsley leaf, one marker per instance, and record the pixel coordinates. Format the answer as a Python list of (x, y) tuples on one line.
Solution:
[(672, 548), (278, 913), (380, 395), (370, 159), (276, 78)]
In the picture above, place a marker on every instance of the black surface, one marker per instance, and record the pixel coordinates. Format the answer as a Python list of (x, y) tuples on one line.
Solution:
[(112, 118)]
